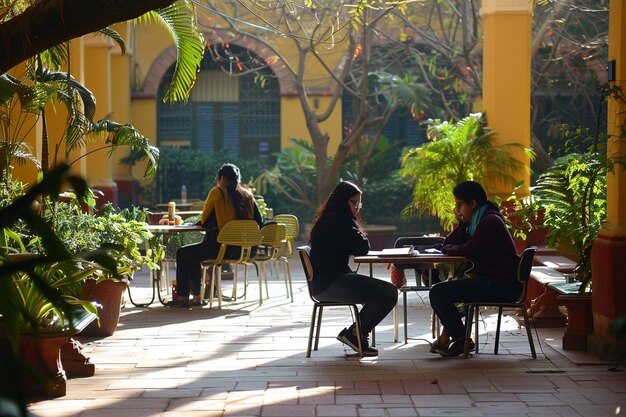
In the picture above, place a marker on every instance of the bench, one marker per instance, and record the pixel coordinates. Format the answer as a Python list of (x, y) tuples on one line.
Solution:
[(555, 289), (579, 314), (557, 262), (542, 298)]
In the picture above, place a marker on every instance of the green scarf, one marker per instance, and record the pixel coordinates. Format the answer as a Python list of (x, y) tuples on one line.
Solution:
[(478, 214)]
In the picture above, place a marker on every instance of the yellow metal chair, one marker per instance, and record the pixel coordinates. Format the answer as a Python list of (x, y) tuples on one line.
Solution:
[(273, 242), (237, 240), (292, 232)]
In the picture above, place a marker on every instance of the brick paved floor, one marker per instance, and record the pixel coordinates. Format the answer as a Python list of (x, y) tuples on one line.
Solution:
[(250, 360)]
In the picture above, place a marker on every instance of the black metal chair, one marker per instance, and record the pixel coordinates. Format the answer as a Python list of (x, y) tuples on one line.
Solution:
[(523, 275), (419, 243), (316, 319)]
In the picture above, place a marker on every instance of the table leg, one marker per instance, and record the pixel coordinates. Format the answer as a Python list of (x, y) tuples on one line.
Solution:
[(153, 283)]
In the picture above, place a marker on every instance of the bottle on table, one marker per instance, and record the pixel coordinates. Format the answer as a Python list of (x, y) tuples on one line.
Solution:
[(183, 194), (171, 212)]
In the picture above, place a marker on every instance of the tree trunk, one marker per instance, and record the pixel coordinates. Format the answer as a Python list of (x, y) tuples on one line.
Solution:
[(51, 22)]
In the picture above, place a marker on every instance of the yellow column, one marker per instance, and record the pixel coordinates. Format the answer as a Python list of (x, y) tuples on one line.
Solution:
[(608, 257), (98, 80), (120, 76), (507, 26), (57, 117)]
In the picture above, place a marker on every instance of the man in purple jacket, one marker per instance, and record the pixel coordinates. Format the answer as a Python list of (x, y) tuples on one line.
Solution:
[(483, 238)]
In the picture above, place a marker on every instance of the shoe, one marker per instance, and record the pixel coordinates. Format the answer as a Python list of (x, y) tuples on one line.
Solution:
[(348, 337), (179, 303), (196, 301), (437, 347), (456, 348)]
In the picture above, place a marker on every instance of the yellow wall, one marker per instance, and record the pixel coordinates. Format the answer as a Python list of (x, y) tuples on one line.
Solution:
[(144, 119), (98, 80), (150, 41), (293, 124)]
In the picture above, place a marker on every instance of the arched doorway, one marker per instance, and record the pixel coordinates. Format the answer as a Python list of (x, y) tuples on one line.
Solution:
[(228, 108)]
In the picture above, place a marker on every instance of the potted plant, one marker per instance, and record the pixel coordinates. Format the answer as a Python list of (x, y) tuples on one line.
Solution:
[(573, 193), (456, 152), (119, 233), (524, 217), (37, 308)]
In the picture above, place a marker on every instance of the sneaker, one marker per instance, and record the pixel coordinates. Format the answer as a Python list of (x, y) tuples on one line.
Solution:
[(349, 338)]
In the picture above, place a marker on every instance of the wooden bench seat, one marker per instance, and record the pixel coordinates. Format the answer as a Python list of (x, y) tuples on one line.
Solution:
[(544, 308), (557, 262)]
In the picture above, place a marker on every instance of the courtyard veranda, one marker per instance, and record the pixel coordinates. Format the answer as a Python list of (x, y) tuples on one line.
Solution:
[(250, 360)]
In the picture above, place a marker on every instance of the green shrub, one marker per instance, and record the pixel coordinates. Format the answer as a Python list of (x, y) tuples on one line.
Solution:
[(196, 170)]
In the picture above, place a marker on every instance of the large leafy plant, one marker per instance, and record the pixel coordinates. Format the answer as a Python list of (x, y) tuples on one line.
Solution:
[(32, 293), (111, 230), (573, 190), (456, 152)]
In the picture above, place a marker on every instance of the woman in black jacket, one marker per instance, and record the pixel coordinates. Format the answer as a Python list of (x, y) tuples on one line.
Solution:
[(334, 237)]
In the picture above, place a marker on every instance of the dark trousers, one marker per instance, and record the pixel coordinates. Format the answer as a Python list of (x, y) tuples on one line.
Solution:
[(377, 296), (445, 295), (188, 260)]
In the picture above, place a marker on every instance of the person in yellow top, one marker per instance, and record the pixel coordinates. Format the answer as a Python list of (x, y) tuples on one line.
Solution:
[(228, 200)]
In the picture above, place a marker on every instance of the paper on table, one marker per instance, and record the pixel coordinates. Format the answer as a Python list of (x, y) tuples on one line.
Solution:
[(433, 250), (406, 251)]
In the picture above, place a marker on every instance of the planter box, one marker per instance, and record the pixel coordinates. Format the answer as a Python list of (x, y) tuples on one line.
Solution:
[(45, 376), (579, 321)]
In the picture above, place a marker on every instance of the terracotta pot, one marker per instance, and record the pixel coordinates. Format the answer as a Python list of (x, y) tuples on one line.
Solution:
[(44, 354), (108, 294)]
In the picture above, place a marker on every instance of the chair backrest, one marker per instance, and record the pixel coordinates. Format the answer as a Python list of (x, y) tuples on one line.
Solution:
[(524, 268), (243, 233), (418, 242), (304, 252), (273, 238), (293, 228), (273, 234)]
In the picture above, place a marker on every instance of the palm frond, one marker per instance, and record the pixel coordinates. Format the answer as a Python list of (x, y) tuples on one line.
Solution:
[(179, 20), (115, 36), (20, 153), (58, 82), (116, 134)]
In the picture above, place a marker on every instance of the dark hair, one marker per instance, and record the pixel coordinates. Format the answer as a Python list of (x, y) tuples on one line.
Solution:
[(337, 202), (234, 189), (470, 190), (230, 172)]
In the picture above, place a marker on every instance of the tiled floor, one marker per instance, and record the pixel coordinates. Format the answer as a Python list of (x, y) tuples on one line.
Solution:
[(250, 360)]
